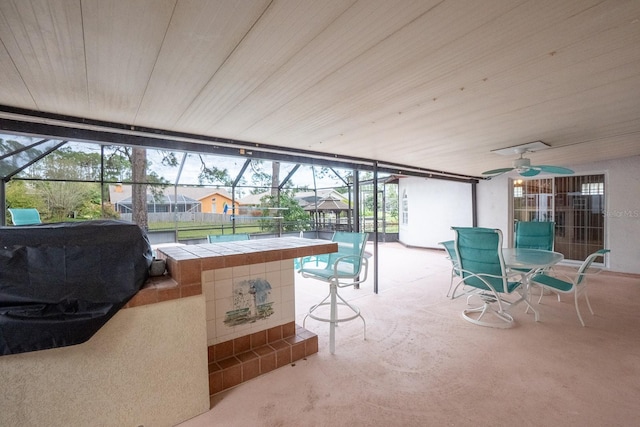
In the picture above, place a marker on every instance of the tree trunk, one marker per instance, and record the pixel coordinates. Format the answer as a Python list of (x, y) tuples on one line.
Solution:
[(275, 191), (275, 179), (139, 189)]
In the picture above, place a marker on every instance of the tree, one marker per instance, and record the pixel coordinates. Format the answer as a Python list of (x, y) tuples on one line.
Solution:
[(63, 199), (19, 195), (211, 174), (57, 183), (294, 217), (139, 187), (275, 178)]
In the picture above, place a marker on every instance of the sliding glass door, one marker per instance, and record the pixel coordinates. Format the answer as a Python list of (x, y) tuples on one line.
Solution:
[(575, 203)]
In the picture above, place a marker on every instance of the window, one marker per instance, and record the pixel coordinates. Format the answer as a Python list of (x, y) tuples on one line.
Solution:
[(405, 208), (533, 200), (593, 188), (575, 203)]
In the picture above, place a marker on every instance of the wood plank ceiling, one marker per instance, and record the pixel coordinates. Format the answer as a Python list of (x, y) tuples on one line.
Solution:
[(435, 84)]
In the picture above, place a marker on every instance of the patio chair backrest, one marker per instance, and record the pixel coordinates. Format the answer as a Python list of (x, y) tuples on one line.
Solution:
[(25, 216), (217, 238), (352, 245), (479, 252), (450, 247), (535, 235)]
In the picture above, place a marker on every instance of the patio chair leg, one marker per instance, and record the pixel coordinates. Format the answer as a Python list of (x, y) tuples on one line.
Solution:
[(529, 306), (506, 320), (333, 317), (334, 300), (356, 313), (586, 297), (578, 309), (541, 294)]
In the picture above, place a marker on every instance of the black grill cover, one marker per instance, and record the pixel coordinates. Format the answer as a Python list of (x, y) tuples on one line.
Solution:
[(59, 283)]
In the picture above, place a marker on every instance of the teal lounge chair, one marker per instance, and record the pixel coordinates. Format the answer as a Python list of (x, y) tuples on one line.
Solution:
[(25, 216), (217, 238)]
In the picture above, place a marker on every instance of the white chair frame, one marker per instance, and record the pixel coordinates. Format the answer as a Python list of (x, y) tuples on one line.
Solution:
[(338, 279), (578, 284)]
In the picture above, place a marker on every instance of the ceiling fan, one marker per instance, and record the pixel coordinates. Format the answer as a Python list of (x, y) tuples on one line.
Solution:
[(523, 166)]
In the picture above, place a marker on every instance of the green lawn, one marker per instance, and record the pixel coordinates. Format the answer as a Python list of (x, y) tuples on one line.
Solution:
[(198, 230)]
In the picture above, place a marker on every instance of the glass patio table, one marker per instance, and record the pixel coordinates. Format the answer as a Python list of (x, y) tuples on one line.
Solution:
[(527, 262)]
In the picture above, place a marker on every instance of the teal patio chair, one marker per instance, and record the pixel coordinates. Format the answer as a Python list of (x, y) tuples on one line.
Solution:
[(481, 264), (576, 285), (217, 238), (535, 235), (450, 247), (319, 259), (347, 267), (25, 216)]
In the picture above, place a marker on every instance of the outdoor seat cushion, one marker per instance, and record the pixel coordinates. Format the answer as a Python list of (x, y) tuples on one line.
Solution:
[(345, 269), (477, 283), (552, 282)]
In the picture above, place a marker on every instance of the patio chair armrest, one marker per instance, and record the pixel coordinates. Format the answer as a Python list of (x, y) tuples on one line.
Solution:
[(593, 271), (483, 277), (364, 265)]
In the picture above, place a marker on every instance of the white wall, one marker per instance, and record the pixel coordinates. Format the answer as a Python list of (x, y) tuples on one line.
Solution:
[(434, 207), (494, 205), (622, 198)]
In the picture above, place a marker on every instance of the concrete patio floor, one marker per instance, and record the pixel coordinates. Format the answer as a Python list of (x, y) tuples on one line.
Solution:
[(423, 365)]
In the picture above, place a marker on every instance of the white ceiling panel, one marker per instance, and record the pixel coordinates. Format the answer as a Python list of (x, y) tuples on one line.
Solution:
[(199, 40), (122, 43), (427, 83), (13, 90), (289, 26), (44, 42)]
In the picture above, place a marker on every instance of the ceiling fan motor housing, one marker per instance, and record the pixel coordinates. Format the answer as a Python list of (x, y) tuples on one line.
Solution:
[(521, 164)]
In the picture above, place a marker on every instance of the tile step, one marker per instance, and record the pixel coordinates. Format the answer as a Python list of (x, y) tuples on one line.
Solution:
[(230, 371)]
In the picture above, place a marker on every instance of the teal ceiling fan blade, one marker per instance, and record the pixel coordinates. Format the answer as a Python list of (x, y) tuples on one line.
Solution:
[(530, 172), (555, 169), (497, 171), (523, 166)]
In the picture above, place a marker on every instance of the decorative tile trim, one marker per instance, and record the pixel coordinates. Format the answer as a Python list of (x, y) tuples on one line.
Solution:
[(234, 362), (186, 264), (163, 288)]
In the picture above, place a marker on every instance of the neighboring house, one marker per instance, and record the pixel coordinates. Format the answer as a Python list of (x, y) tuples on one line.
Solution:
[(213, 200), (161, 204), (251, 201), (305, 198), (187, 199)]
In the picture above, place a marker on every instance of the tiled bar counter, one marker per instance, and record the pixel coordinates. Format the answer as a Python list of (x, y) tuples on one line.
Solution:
[(250, 303)]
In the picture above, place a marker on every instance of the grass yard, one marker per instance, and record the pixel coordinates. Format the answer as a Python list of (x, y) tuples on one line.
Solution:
[(200, 230)]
